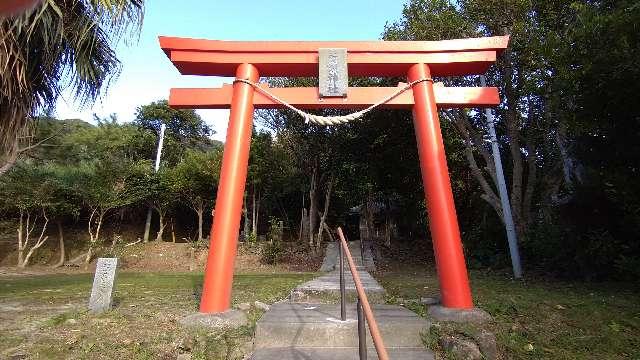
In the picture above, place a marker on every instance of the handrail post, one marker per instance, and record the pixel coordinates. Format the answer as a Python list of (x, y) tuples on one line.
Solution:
[(343, 300), (362, 333)]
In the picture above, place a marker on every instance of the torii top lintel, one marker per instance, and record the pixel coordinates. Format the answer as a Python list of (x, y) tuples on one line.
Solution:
[(364, 58)]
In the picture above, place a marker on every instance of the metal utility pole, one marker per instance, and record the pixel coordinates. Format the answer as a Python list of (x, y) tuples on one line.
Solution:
[(512, 237), (147, 225)]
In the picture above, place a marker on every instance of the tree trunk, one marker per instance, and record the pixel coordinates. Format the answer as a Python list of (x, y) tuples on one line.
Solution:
[(94, 236), (35, 247), (14, 152), (313, 204), (303, 224), (513, 126), (10, 159), (323, 218), (41, 239), (147, 225), (61, 245), (173, 232), (257, 216), (161, 224), (387, 232), (24, 235), (245, 213), (474, 141), (253, 213), (368, 213), (21, 244), (198, 206)]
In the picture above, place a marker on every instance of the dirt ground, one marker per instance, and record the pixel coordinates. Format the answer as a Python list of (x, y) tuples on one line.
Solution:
[(174, 257)]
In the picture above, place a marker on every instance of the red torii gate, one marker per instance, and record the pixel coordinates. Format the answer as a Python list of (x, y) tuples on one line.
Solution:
[(417, 60)]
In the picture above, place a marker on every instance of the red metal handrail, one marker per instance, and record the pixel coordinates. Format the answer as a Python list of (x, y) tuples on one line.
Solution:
[(368, 313)]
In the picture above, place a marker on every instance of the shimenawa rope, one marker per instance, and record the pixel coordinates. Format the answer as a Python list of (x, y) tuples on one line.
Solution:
[(332, 120)]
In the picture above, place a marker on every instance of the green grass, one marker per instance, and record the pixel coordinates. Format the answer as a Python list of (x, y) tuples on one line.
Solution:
[(541, 319), (47, 317), (63, 287)]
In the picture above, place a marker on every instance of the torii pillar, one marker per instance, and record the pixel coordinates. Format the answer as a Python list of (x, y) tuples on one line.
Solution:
[(414, 59)]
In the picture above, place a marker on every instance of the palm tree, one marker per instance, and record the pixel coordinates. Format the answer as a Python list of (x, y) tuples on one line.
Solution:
[(57, 45)]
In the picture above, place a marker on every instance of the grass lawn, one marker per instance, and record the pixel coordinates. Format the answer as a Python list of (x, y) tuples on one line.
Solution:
[(541, 319), (44, 317)]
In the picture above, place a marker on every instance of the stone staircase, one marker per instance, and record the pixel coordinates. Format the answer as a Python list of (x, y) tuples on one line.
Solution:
[(331, 258), (310, 328), (326, 289), (306, 331)]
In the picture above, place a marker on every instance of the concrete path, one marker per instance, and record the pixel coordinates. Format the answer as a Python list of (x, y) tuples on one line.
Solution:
[(331, 258), (309, 328)]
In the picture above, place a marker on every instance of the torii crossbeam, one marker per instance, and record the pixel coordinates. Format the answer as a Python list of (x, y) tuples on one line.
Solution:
[(415, 60)]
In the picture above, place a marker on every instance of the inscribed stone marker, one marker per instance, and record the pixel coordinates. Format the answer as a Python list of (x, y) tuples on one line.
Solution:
[(333, 76), (103, 285)]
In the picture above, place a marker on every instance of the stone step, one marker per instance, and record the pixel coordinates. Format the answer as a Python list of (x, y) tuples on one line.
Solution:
[(301, 353), (319, 325), (326, 289)]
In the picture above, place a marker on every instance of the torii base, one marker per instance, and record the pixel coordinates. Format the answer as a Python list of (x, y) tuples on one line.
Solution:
[(474, 315), (223, 320)]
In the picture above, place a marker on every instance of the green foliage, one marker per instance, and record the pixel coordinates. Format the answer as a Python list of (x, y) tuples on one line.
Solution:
[(195, 178), (251, 239), (275, 233), (185, 129), (194, 182), (106, 184), (159, 188), (59, 45), (271, 252), (565, 80), (107, 140), (29, 187)]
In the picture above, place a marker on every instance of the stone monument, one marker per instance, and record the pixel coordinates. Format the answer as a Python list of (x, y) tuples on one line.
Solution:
[(103, 285)]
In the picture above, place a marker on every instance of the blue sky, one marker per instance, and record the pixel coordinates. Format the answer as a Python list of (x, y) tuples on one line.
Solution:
[(148, 75)]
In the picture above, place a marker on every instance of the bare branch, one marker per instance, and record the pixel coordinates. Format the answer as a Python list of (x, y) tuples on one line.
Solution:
[(29, 147)]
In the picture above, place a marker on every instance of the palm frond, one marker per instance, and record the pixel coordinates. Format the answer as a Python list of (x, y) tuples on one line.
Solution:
[(58, 45)]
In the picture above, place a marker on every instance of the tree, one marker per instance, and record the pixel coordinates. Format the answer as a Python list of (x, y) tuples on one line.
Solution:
[(84, 142), (161, 196), (195, 179), (185, 129), (36, 193), (57, 45), (107, 184), (591, 95), (312, 150), (66, 202), (263, 177), (527, 127)]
